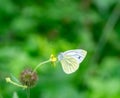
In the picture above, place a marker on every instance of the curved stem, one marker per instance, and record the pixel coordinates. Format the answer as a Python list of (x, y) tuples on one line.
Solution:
[(41, 64)]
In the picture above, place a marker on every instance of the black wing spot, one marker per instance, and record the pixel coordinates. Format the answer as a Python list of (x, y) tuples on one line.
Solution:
[(79, 57)]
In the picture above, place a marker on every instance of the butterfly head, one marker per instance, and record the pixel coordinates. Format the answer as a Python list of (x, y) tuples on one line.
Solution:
[(60, 56)]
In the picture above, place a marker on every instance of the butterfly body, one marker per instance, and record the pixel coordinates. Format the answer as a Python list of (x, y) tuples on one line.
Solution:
[(71, 59)]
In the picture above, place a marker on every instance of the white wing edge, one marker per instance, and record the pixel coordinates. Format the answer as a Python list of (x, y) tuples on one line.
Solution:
[(77, 50)]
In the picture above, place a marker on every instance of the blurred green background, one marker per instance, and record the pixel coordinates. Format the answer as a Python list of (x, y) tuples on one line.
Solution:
[(31, 30)]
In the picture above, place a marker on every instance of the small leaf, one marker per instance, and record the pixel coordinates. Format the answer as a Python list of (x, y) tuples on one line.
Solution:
[(15, 79)]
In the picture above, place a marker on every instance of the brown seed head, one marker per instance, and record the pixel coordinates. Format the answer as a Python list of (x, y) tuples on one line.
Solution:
[(28, 77)]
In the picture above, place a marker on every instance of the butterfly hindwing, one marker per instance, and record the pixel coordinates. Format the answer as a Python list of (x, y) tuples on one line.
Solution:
[(69, 65)]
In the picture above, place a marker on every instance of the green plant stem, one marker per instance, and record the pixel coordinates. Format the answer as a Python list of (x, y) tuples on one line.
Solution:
[(23, 86), (107, 30), (41, 64), (28, 92)]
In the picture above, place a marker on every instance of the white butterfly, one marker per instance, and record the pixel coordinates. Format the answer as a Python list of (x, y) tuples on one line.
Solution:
[(71, 59)]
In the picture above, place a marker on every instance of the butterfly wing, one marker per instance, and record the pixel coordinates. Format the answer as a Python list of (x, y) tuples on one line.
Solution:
[(71, 59), (78, 54), (69, 64)]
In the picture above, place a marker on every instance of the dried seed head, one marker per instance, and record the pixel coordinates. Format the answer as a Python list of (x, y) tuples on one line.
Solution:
[(28, 77)]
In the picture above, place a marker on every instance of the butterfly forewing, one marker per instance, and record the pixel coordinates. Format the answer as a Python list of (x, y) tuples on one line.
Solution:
[(78, 54)]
